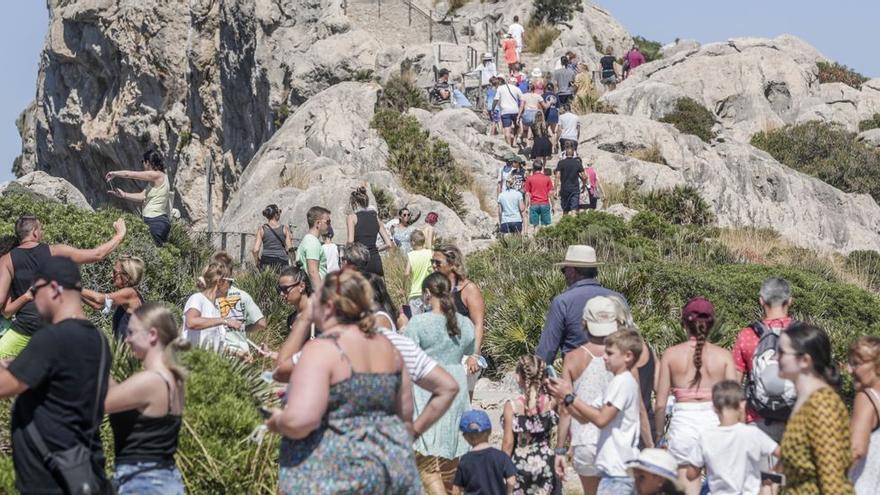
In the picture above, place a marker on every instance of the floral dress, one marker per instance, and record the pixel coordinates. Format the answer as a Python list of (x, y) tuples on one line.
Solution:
[(533, 454)]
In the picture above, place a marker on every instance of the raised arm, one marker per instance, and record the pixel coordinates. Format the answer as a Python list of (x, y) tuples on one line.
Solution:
[(150, 176), (94, 255), (97, 300), (131, 394)]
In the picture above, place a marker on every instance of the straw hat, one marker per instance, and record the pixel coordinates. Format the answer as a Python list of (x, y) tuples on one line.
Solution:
[(656, 461), (580, 256), (600, 315), (488, 56)]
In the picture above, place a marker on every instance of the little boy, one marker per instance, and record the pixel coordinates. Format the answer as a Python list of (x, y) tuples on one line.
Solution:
[(616, 413), (485, 469), (731, 452)]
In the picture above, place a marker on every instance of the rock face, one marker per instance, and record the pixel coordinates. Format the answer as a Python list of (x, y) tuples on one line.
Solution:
[(47, 187), (745, 186)]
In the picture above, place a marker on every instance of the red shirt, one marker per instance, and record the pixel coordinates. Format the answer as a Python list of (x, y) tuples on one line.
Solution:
[(744, 350), (539, 186)]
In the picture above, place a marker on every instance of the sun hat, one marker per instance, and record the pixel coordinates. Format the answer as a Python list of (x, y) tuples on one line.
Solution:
[(656, 461), (536, 72), (697, 308), (474, 421), (488, 56), (579, 256), (600, 315)]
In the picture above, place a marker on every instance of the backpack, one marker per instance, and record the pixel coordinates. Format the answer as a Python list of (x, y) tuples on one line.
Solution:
[(767, 394)]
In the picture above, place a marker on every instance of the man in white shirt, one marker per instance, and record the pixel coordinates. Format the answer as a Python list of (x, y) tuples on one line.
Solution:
[(517, 31), (569, 129), (509, 99)]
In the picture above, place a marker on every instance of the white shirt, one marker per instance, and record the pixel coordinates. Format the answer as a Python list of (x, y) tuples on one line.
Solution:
[(508, 97), (732, 456), (568, 124), (212, 337), (619, 440), (487, 71), (516, 30), (331, 252)]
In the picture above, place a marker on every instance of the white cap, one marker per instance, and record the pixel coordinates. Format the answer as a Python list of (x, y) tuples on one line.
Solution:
[(600, 314), (656, 461)]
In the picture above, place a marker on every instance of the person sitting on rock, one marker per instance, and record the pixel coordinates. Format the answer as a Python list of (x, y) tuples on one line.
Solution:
[(155, 198)]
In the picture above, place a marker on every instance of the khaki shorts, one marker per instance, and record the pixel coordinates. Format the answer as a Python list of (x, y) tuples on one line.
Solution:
[(583, 460)]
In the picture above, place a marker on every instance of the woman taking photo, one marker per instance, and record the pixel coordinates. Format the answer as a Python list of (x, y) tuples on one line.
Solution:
[(272, 241), (128, 271), (469, 302), (145, 410), (202, 324), (349, 403), (155, 198), (815, 447), (864, 365), (688, 371), (363, 226)]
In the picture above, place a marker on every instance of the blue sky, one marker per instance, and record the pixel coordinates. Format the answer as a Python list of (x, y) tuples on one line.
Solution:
[(844, 30)]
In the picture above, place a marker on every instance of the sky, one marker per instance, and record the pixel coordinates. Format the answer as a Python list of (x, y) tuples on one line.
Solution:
[(844, 30)]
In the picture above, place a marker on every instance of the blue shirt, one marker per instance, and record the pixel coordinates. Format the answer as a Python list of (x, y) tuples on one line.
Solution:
[(564, 327), (509, 201)]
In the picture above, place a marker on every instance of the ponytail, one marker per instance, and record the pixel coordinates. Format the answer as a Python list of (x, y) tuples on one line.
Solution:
[(699, 328), (154, 315), (813, 341), (439, 287)]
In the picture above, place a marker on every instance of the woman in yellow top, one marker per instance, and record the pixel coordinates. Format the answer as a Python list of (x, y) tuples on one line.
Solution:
[(816, 453), (155, 198)]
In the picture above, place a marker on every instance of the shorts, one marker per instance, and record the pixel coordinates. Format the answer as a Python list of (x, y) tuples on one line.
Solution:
[(528, 117), (159, 227), (611, 79), (147, 478), (616, 485), (570, 200), (583, 460), (539, 213), (511, 227), (12, 343), (496, 116), (689, 419), (508, 119), (552, 115), (590, 204)]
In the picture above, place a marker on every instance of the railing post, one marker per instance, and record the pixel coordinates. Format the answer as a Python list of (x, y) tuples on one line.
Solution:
[(241, 248), (380, 8), (223, 241), (470, 31), (210, 185), (430, 26), (409, 12), (488, 41)]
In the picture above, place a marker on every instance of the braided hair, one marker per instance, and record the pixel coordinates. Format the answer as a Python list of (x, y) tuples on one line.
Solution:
[(439, 287), (699, 326), (532, 371)]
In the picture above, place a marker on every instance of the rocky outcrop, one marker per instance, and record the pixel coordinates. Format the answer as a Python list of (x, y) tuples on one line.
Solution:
[(46, 187), (745, 186)]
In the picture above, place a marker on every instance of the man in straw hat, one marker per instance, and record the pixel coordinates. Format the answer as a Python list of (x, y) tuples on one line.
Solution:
[(563, 328)]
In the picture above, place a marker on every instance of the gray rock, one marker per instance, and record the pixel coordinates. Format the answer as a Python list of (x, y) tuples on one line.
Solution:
[(621, 211), (680, 46), (43, 186), (870, 137)]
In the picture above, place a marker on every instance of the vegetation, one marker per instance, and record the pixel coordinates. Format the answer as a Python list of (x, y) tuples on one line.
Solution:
[(400, 93), (868, 124), (827, 152), (649, 48), (691, 117), (651, 154), (835, 72), (456, 4), (538, 37), (590, 103), (384, 202), (597, 43), (280, 115), (555, 11)]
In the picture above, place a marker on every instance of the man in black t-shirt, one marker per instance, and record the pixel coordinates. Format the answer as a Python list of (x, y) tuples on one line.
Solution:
[(569, 171), (56, 380)]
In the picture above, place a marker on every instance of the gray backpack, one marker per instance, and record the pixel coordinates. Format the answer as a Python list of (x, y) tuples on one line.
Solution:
[(767, 394)]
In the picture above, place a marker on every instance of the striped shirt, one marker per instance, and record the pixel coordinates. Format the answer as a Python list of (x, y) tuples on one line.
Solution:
[(417, 362)]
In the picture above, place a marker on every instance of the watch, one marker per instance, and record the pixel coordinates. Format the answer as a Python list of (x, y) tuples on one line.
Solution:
[(561, 451), (568, 399)]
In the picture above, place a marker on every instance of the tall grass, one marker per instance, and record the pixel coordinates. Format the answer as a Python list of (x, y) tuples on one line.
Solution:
[(539, 37)]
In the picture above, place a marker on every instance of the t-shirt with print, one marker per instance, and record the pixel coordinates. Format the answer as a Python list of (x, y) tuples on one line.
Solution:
[(508, 97), (744, 351), (733, 458), (569, 170), (211, 337), (310, 248), (509, 201), (539, 186), (568, 125), (619, 439), (519, 177), (238, 305), (60, 399), (484, 472)]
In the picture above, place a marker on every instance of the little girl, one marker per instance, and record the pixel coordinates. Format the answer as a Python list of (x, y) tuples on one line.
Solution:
[(528, 423)]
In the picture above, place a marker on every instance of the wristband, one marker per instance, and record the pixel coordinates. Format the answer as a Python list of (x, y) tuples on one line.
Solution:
[(561, 451)]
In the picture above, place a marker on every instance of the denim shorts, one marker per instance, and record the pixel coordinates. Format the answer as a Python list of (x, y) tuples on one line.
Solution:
[(616, 485), (539, 214), (508, 119), (147, 478), (511, 227)]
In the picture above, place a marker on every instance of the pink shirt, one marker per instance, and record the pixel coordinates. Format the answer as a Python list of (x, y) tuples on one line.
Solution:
[(635, 59), (591, 175)]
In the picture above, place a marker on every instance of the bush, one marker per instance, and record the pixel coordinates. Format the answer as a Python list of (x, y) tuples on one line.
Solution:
[(590, 103), (423, 164), (835, 72), (681, 205), (868, 124), (384, 202), (555, 11), (649, 48), (650, 225), (539, 37), (827, 152), (690, 117), (400, 93)]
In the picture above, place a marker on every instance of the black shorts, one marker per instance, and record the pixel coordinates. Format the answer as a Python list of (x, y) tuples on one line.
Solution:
[(570, 200), (511, 228)]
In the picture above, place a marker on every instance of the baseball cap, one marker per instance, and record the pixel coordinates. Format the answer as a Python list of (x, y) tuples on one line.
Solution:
[(474, 421), (698, 307), (600, 314), (62, 270)]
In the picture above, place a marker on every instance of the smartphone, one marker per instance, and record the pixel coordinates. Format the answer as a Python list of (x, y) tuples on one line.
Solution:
[(551, 371), (407, 310), (265, 412), (772, 477)]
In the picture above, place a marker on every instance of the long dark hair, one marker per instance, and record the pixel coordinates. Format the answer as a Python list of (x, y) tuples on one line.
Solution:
[(812, 341), (439, 287), (359, 198), (381, 297), (298, 274), (272, 212)]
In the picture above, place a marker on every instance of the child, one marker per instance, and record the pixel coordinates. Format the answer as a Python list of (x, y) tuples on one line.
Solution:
[(418, 267), (731, 452), (528, 423), (485, 469), (616, 414), (655, 472), (331, 250)]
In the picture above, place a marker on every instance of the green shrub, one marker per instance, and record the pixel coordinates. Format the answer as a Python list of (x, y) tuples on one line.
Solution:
[(423, 164), (400, 93), (649, 48), (681, 205), (650, 225), (280, 115), (868, 124), (555, 11), (384, 202), (597, 43), (835, 72), (590, 103), (538, 37), (691, 117), (827, 152)]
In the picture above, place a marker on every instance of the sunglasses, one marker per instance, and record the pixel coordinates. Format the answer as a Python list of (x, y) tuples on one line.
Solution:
[(437, 262), (285, 289), (36, 287)]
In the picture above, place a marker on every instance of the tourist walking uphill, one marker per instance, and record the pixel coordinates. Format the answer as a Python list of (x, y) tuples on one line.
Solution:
[(156, 198), (272, 241), (128, 271), (364, 227), (19, 266)]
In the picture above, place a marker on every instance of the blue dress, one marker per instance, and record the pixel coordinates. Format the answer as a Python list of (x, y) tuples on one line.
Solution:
[(361, 447), (428, 331)]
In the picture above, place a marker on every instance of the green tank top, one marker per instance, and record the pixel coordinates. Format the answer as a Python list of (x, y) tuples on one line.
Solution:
[(156, 200), (420, 264)]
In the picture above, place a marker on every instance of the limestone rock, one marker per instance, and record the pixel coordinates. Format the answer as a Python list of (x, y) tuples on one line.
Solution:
[(870, 137), (44, 186), (621, 211), (680, 46)]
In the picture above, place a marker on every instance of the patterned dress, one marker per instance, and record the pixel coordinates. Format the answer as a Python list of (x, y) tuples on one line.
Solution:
[(361, 447), (816, 452), (533, 454)]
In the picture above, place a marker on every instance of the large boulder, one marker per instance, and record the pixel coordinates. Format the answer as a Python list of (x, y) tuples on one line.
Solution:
[(44, 186)]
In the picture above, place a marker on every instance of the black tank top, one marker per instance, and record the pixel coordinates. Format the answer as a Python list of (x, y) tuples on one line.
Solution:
[(646, 383), (24, 266), (460, 307), (120, 319), (139, 438), (366, 229)]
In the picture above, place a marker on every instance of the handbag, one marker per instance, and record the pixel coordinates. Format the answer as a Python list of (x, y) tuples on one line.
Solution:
[(73, 466)]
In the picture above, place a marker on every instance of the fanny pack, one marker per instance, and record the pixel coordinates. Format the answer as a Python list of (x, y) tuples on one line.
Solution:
[(73, 466)]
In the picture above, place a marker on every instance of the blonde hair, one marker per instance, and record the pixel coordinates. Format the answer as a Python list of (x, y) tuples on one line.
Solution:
[(532, 371), (866, 350), (624, 314), (626, 340), (455, 259), (133, 269), (417, 238), (352, 297), (154, 315), (213, 273)]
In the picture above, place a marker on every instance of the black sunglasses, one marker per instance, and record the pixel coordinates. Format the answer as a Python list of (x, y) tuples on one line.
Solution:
[(285, 289), (436, 262), (36, 287)]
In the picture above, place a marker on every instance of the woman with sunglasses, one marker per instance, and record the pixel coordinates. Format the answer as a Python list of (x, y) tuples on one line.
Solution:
[(202, 324), (364, 227), (294, 289), (864, 365), (401, 230), (128, 271), (469, 302)]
